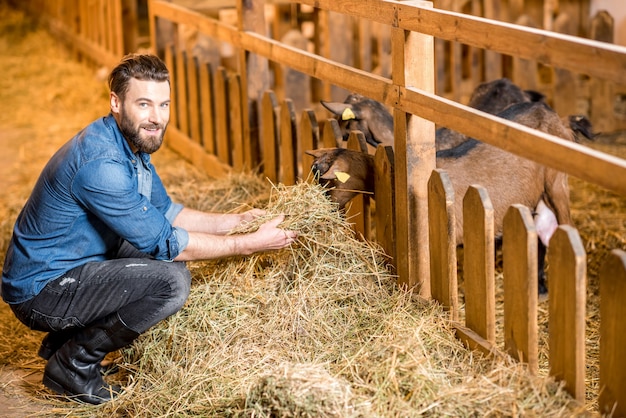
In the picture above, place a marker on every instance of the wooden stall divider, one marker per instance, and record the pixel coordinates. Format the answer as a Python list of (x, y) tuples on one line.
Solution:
[(442, 236), (478, 263), (519, 254), (567, 287)]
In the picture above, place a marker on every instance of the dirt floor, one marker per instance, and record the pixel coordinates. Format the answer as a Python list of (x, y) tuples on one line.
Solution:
[(46, 97)]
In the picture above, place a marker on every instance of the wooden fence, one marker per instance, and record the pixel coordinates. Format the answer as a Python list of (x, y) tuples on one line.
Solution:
[(225, 120)]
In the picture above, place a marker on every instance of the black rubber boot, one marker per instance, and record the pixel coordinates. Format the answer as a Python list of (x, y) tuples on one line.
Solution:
[(53, 341), (74, 369)]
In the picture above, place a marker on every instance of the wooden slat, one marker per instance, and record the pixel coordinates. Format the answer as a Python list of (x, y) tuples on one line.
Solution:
[(309, 140), (442, 235), (221, 115), (612, 400), (519, 253), (269, 133), (194, 100), (181, 91), (478, 263), (331, 134), (385, 216), (206, 106), (288, 143), (358, 209), (567, 287), (239, 149), (171, 65)]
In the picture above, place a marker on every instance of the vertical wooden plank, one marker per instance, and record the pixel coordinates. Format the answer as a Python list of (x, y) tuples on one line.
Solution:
[(413, 65), (206, 106), (478, 263), (442, 235), (564, 95), (255, 80), (612, 400), (171, 65), (331, 134), (269, 133), (181, 89), (601, 111), (194, 101), (222, 128), (525, 71), (385, 217), (567, 287), (239, 148), (358, 208), (519, 253), (129, 26), (288, 142), (309, 138), (493, 60)]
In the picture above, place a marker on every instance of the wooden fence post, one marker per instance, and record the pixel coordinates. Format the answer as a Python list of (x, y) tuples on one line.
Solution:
[(612, 398), (385, 217), (478, 263), (413, 66), (309, 139), (222, 105), (206, 107), (442, 235), (288, 142), (239, 143), (194, 99), (331, 134), (358, 210), (519, 248), (269, 133), (567, 286)]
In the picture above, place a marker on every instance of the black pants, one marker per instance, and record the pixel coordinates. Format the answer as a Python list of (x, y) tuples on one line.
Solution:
[(143, 291)]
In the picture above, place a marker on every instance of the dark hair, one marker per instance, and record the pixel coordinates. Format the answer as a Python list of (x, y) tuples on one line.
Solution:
[(139, 66)]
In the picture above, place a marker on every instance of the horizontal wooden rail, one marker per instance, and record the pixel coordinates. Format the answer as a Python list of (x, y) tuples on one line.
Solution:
[(575, 159), (564, 51), (566, 156)]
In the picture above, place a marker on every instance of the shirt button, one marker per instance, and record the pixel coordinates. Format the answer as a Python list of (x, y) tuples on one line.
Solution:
[(145, 208)]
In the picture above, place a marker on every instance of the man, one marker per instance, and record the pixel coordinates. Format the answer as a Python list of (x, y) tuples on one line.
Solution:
[(97, 253)]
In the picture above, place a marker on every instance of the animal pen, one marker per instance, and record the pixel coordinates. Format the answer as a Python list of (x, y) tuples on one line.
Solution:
[(234, 118)]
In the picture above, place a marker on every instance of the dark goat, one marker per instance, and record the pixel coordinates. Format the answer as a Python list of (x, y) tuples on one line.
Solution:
[(509, 179), (374, 120)]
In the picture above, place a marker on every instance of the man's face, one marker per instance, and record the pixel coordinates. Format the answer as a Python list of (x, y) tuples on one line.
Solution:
[(144, 114)]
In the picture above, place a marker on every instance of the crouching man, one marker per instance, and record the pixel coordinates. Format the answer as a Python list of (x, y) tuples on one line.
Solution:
[(97, 253)]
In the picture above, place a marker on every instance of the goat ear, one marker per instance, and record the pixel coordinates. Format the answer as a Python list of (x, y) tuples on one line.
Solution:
[(314, 152), (346, 111)]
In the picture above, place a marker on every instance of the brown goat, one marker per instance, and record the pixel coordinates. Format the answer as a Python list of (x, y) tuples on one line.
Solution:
[(509, 179)]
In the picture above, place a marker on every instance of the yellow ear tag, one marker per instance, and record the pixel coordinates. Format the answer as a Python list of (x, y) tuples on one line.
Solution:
[(347, 114), (341, 176)]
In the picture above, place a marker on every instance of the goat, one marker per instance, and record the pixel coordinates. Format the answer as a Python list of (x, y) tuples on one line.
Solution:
[(508, 178), (374, 120)]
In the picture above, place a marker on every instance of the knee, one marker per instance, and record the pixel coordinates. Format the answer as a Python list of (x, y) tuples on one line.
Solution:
[(180, 285)]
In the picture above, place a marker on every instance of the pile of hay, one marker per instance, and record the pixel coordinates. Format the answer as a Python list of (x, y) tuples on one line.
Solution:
[(316, 330)]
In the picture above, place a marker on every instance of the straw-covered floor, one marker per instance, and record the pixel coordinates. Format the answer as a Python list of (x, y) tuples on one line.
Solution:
[(317, 330)]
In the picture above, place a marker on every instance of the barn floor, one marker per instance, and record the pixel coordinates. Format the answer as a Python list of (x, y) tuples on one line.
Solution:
[(46, 97)]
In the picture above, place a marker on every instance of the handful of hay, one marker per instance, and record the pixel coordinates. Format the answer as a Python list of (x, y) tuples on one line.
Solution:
[(318, 329)]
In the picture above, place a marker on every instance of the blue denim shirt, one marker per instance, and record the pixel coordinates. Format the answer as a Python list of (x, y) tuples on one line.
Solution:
[(93, 193)]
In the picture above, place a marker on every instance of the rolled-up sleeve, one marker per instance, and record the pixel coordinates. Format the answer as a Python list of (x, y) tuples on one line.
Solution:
[(108, 190)]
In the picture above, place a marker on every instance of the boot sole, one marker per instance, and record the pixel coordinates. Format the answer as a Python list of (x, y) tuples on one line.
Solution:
[(90, 399)]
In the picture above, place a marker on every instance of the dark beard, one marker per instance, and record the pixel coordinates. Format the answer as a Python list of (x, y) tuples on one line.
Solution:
[(134, 135)]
